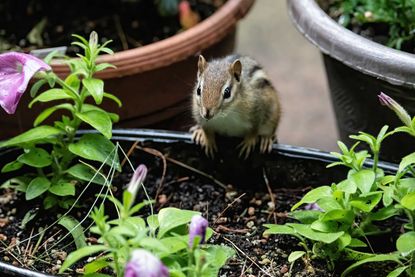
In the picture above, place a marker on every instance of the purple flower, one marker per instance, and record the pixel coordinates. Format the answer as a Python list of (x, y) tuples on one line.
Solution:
[(137, 179), (394, 106), (145, 264), (197, 227), (313, 207), (16, 70)]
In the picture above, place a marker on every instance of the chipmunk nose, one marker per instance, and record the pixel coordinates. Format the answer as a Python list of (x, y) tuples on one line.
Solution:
[(207, 114)]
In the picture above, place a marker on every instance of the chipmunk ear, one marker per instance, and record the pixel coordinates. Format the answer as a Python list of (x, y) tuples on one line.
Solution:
[(201, 64), (236, 70)]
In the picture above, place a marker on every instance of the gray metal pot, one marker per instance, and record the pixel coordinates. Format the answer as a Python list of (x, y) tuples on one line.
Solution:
[(357, 71)]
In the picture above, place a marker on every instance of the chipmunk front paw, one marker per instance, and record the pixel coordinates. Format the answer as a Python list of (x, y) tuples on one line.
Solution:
[(247, 146), (266, 144), (204, 139)]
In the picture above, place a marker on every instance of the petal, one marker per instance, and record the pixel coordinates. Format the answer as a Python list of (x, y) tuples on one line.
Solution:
[(16, 70)]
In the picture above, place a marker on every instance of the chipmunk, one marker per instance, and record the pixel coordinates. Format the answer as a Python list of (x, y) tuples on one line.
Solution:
[(234, 97)]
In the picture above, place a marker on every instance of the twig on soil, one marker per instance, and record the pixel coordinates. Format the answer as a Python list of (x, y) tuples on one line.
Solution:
[(120, 32), (157, 153), (271, 195), (176, 162), (249, 258), (222, 228), (228, 206), (129, 152)]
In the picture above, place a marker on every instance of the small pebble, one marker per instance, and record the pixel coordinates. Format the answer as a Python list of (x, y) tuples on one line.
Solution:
[(251, 211), (284, 269), (6, 258), (162, 198), (3, 237), (250, 224)]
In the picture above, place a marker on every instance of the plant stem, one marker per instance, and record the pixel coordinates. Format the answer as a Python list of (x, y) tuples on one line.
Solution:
[(375, 161)]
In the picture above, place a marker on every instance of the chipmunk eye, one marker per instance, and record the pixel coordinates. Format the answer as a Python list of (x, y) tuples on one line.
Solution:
[(227, 93), (198, 91)]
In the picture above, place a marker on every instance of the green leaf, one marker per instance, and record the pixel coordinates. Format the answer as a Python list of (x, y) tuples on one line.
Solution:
[(50, 201), (36, 157), (74, 227), (50, 95), (314, 195), (328, 203), (97, 148), (11, 166), (29, 216), (62, 189), (326, 227), (77, 255), (95, 266), (376, 258), (86, 173), (406, 243), (347, 186), (406, 161), (103, 66), (95, 87), (357, 243), (18, 183), (344, 241), (36, 86), (218, 255), (408, 201), (367, 203), (295, 256), (31, 136), (170, 218), (305, 231), (384, 213), (364, 180), (274, 229), (73, 81), (306, 217), (113, 98), (37, 187), (397, 272), (47, 112), (99, 120)]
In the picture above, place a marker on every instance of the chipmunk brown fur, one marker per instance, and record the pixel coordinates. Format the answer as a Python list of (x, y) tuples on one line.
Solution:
[(234, 97)]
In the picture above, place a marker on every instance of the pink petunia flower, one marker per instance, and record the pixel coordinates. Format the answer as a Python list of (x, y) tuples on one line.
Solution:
[(16, 70), (145, 264)]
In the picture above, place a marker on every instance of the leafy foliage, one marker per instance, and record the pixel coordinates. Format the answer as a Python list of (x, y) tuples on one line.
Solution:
[(399, 15), (164, 234), (52, 150), (348, 211)]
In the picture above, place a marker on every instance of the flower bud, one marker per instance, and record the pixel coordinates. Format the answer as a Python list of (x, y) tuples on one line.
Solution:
[(197, 227), (398, 109), (145, 264), (93, 39), (137, 179)]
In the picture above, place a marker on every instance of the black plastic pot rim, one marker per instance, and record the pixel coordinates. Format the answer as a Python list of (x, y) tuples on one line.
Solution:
[(175, 136), (391, 65)]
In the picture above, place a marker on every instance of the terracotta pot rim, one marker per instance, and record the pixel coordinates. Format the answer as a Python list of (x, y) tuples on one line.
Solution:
[(172, 49), (371, 58)]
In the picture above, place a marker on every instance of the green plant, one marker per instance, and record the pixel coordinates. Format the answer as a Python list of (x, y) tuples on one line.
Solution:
[(52, 151), (165, 234), (347, 212), (398, 14)]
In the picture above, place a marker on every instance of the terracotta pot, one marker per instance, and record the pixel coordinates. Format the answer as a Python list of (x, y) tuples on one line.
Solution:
[(154, 82), (357, 70)]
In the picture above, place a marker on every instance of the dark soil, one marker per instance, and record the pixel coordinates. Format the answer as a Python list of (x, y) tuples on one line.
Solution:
[(129, 24), (236, 212)]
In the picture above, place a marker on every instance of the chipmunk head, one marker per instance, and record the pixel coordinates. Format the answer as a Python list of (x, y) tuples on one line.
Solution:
[(217, 85)]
